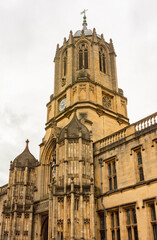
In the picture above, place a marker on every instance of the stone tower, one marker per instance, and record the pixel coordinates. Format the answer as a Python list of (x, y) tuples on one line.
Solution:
[(85, 93), (18, 207)]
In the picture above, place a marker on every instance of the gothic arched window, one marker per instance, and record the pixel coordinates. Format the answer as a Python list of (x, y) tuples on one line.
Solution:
[(83, 56), (65, 63), (102, 60)]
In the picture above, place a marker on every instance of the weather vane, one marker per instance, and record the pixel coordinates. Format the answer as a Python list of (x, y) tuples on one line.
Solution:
[(84, 17)]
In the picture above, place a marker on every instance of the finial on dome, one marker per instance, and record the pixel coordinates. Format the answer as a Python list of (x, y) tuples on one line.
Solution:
[(84, 24), (27, 141)]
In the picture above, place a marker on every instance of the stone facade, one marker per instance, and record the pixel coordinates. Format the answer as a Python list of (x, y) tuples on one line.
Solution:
[(96, 177)]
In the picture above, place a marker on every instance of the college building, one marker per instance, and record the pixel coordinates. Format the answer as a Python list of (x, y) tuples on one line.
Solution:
[(96, 177)]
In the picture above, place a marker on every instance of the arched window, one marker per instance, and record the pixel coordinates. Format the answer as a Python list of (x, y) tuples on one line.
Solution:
[(83, 56), (102, 60), (65, 63)]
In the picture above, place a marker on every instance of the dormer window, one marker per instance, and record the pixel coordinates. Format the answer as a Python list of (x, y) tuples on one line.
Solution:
[(65, 63), (102, 60), (83, 56)]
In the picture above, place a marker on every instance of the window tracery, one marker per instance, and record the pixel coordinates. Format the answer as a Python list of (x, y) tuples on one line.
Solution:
[(102, 60), (83, 56)]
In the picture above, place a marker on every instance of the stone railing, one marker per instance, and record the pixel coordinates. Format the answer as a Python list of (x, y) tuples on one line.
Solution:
[(146, 122), (112, 138), (127, 131)]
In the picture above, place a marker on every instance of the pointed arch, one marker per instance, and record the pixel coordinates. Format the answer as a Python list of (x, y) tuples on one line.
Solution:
[(102, 59)]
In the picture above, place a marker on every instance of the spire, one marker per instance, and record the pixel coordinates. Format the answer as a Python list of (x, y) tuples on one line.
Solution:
[(84, 24)]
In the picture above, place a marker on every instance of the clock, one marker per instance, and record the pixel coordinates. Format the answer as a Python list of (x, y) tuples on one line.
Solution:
[(62, 104), (107, 101)]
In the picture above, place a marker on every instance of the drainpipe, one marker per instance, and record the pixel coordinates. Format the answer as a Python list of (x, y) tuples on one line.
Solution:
[(100, 162)]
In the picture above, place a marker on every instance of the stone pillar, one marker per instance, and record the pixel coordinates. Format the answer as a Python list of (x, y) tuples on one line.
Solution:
[(39, 227), (113, 66), (57, 159), (122, 222), (82, 216), (2, 228), (10, 226), (142, 220), (92, 207), (14, 222), (30, 224), (65, 218), (72, 210), (80, 160), (50, 213), (108, 225), (22, 225), (70, 60), (54, 213)]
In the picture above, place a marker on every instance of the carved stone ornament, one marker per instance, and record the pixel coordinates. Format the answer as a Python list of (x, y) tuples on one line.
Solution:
[(63, 82), (99, 112)]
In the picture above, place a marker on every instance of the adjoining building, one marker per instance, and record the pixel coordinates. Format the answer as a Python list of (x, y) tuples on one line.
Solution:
[(96, 177)]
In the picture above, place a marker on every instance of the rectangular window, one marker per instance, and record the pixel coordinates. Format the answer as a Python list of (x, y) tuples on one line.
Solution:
[(140, 166), (112, 177), (131, 223), (153, 221), (115, 227), (102, 227)]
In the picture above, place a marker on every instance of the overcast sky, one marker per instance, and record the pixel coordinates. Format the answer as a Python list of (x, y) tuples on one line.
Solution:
[(29, 33)]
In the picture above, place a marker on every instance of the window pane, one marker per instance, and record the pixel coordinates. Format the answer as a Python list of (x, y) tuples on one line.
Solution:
[(129, 233), (114, 168), (110, 183), (58, 236), (102, 222), (109, 169), (139, 156), (113, 235), (112, 220), (117, 219), (118, 234), (128, 216), (134, 216), (104, 67), (153, 213), (115, 182), (65, 66), (135, 233), (141, 174), (100, 65), (61, 236), (155, 231), (102, 236), (86, 59), (80, 59)]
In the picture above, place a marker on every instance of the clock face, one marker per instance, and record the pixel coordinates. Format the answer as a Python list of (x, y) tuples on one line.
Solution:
[(107, 101), (62, 104)]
